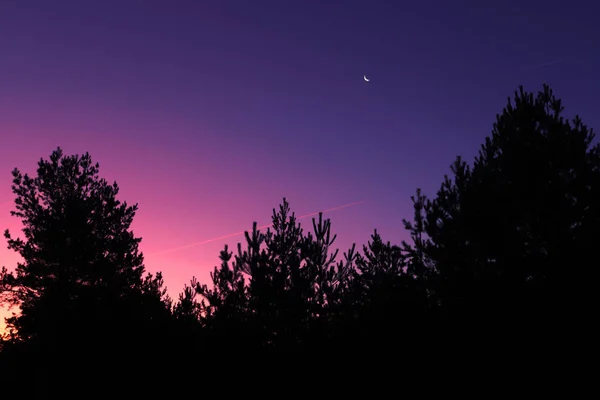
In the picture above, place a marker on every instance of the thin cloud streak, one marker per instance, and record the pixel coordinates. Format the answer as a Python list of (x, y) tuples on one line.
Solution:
[(546, 64), (187, 246)]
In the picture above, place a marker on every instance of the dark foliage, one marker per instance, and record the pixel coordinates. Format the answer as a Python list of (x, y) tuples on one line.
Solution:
[(506, 246), (81, 287), (281, 290), (511, 237)]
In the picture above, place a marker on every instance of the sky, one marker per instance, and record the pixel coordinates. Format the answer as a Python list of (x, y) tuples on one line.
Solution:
[(208, 113)]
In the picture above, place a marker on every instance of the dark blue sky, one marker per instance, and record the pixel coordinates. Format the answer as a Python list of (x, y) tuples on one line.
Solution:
[(208, 112)]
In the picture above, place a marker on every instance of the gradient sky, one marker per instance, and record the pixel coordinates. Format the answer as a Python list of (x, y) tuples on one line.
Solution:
[(207, 113)]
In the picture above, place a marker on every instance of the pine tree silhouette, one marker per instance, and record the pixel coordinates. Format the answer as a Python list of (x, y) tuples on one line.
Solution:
[(81, 287), (282, 289), (511, 236)]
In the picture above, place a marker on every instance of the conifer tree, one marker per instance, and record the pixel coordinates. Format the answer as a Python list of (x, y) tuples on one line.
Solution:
[(512, 235), (82, 276), (282, 288)]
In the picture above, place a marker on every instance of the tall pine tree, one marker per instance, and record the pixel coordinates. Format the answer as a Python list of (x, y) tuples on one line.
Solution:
[(82, 279), (511, 237)]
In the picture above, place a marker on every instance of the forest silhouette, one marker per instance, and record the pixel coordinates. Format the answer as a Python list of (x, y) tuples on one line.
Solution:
[(503, 253)]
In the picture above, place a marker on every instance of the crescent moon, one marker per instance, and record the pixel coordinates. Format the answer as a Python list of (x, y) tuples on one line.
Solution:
[(366, 79)]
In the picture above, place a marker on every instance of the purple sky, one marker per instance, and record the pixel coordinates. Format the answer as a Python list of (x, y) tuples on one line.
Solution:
[(207, 113)]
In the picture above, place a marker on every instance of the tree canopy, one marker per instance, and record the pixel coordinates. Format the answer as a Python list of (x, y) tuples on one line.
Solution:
[(82, 278), (511, 235), (505, 245)]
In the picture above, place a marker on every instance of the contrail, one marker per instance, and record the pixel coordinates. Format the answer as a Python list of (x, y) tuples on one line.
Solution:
[(546, 64), (242, 232)]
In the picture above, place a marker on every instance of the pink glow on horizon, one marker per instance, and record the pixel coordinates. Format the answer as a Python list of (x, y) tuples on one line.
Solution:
[(208, 188), (190, 181), (160, 228), (177, 270)]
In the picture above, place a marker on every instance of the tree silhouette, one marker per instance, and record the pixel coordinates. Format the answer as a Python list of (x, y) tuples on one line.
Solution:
[(386, 305), (511, 237), (82, 281), (224, 309), (506, 246), (282, 289)]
